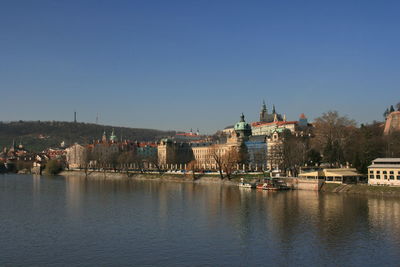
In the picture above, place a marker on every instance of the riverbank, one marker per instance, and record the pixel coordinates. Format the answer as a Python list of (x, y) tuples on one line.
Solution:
[(362, 189), (295, 183), (170, 177)]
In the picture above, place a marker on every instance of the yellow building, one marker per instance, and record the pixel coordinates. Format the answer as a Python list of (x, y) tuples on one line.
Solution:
[(384, 171)]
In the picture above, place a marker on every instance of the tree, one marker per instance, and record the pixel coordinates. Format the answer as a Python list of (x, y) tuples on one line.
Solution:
[(332, 136), (125, 159), (230, 159), (216, 153), (294, 152), (87, 160), (53, 167), (192, 167)]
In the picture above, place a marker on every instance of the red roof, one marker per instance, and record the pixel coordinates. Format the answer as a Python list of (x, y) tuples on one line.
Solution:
[(187, 134), (277, 123)]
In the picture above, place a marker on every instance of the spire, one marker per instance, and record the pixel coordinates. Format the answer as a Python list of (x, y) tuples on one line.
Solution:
[(104, 137), (284, 117), (113, 137), (273, 109), (264, 107), (275, 117)]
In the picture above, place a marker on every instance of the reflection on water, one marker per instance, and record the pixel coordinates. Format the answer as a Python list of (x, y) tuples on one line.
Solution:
[(100, 221)]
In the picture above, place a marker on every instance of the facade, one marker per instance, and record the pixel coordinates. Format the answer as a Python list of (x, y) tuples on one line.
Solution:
[(274, 150), (339, 176), (267, 128), (257, 150), (384, 171), (392, 123), (76, 156), (180, 153), (269, 117)]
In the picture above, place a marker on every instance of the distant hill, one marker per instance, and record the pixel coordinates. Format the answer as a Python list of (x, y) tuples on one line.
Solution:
[(38, 135)]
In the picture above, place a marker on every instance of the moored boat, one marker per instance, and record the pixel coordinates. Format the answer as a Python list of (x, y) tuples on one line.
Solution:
[(246, 185), (273, 184)]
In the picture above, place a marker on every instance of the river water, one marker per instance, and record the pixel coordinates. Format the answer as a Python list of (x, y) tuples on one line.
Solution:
[(77, 221)]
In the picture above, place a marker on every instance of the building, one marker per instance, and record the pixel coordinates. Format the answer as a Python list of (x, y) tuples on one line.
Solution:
[(340, 176), (392, 123), (384, 171), (257, 151), (176, 153), (275, 150), (76, 156), (267, 128), (269, 117)]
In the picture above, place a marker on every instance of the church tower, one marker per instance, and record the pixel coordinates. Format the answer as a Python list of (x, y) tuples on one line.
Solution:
[(113, 137), (104, 138), (264, 112)]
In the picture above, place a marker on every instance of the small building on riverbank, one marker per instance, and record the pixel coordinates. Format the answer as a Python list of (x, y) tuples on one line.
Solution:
[(384, 171), (340, 176)]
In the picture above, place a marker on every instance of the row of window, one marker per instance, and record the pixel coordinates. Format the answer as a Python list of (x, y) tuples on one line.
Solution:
[(384, 172), (385, 177)]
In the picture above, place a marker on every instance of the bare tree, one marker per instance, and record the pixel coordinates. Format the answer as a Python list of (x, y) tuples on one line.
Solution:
[(331, 136), (230, 159), (192, 167), (217, 154)]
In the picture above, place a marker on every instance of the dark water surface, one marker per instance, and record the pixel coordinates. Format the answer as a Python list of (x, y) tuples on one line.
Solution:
[(73, 221)]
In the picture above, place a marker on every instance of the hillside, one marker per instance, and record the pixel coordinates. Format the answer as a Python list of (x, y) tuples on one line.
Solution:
[(38, 135)]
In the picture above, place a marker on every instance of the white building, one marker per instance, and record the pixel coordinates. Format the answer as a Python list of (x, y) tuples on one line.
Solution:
[(384, 171)]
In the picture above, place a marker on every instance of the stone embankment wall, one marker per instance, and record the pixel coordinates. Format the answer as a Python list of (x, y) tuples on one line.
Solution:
[(304, 184)]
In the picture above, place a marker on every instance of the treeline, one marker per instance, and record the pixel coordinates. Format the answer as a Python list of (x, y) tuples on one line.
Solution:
[(39, 135), (338, 142)]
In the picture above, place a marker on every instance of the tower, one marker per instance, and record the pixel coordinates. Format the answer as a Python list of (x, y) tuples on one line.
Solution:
[(104, 137), (113, 137), (242, 129), (264, 112), (75, 116)]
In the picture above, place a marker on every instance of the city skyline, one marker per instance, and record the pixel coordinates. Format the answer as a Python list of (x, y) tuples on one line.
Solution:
[(175, 65)]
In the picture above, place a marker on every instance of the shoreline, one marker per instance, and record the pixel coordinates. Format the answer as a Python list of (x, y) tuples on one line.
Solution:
[(353, 189), (209, 179)]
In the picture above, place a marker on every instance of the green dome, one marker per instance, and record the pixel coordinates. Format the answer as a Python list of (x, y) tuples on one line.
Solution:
[(242, 125)]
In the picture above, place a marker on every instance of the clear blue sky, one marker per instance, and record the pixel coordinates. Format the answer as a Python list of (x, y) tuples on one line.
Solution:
[(197, 64)]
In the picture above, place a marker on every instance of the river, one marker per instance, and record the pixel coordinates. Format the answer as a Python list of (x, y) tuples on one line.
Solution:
[(76, 221)]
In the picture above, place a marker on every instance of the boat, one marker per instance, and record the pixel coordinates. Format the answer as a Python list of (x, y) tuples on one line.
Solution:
[(242, 184), (273, 184)]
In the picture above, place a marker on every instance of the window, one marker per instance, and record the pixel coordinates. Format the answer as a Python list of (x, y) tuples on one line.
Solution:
[(371, 176), (371, 171), (384, 172), (378, 177), (391, 177), (385, 177), (378, 171), (391, 172), (398, 177)]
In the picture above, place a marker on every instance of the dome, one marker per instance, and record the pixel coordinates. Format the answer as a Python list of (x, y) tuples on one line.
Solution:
[(242, 125)]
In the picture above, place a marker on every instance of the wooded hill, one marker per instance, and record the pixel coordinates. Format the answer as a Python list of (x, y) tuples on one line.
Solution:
[(39, 135)]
